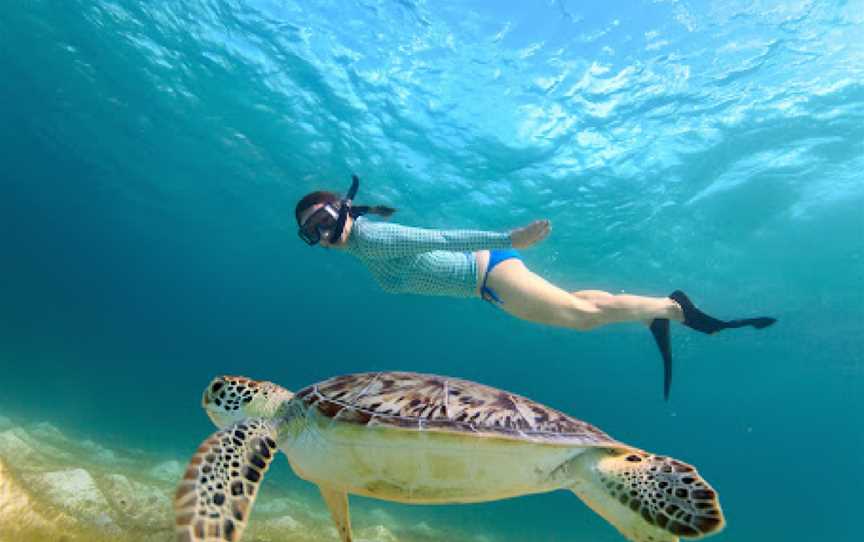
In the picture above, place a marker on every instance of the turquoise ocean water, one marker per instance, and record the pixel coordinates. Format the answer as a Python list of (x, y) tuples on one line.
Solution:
[(152, 154)]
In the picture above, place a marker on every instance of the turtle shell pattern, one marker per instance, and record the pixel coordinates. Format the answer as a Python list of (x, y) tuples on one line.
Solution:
[(424, 402)]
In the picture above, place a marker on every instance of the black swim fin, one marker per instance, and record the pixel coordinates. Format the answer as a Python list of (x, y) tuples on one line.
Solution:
[(660, 331), (698, 320)]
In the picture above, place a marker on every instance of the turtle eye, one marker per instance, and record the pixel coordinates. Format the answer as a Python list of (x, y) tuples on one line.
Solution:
[(214, 389)]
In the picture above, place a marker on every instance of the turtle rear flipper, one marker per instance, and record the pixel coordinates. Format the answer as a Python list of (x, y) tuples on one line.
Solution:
[(337, 502), (648, 498), (215, 498)]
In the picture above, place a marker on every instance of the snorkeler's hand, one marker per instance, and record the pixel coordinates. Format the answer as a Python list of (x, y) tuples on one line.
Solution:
[(531, 234)]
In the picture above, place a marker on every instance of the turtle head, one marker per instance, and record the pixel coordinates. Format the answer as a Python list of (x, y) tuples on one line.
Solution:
[(229, 399)]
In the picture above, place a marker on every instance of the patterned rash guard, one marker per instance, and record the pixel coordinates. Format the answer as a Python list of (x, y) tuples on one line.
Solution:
[(413, 260)]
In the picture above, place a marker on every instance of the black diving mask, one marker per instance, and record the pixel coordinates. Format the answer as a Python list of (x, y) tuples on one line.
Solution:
[(328, 222), (320, 225)]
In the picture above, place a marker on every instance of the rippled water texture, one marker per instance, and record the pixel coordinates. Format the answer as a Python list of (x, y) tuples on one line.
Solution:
[(152, 153)]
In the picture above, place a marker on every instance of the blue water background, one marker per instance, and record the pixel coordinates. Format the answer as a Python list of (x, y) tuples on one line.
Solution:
[(152, 153)]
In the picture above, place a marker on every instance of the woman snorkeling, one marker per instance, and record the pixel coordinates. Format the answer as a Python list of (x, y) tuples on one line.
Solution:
[(466, 263)]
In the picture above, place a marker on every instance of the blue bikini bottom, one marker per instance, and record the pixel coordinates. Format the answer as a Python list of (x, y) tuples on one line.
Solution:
[(496, 256)]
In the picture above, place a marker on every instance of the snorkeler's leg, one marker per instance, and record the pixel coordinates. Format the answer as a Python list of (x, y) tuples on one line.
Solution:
[(528, 296), (629, 308)]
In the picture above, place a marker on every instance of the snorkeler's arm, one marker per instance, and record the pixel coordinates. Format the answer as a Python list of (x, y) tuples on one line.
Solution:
[(387, 240)]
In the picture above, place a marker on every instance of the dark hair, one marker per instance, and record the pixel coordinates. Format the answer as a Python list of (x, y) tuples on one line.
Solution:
[(315, 198)]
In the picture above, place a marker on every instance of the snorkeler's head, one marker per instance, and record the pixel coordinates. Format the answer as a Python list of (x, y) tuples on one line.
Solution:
[(312, 201), (323, 216), (229, 399)]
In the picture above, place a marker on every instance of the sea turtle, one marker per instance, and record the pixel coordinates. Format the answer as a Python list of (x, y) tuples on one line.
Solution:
[(425, 439)]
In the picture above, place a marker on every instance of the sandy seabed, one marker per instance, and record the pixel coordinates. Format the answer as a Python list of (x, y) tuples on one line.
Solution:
[(58, 488)]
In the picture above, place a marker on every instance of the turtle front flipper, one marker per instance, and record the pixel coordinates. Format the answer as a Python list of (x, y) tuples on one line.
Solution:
[(648, 498), (337, 502), (216, 494)]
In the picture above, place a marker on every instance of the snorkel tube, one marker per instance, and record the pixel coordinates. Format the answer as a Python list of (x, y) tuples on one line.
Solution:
[(345, 210)]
